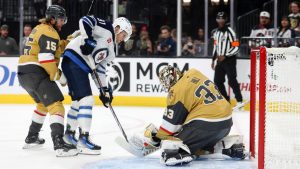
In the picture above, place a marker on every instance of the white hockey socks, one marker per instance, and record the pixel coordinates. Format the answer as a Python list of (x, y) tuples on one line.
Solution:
[(84, 115), (72, 122)]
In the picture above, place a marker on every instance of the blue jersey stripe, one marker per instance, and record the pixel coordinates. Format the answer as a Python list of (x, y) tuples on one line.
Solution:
[(91, 19), (77, 59), (102, 66), (99, 71), (87, 22)]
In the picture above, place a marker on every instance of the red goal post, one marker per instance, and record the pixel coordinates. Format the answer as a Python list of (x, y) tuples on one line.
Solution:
[(275, 107)]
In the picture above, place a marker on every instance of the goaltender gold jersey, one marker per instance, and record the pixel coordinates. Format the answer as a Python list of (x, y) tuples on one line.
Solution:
[(44, 49), (194, 98)]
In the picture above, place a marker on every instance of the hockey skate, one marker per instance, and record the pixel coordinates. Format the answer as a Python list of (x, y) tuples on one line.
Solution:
[(176, 157), (62, 148), (33, 141), (236, 151), (70, 137), (175, 153), (85, 146)]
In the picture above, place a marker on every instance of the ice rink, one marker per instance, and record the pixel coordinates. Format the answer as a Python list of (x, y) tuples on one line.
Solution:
[(15, 120)]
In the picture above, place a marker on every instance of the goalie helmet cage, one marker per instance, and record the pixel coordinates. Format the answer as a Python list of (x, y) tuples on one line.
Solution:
[(275, 107)]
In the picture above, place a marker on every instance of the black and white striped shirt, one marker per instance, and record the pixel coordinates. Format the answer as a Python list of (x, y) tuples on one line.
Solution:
[(225, 42)]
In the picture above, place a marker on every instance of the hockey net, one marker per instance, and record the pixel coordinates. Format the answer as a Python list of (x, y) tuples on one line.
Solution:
[(275, 107)]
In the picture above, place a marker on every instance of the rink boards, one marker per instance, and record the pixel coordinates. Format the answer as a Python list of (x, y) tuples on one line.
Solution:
[(134, 80)]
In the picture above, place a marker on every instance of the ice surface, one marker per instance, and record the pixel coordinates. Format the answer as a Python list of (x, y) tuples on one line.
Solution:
[(15, 120)]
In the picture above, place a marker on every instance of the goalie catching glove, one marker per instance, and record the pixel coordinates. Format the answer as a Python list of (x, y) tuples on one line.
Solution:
[(150, 140), (106, 96)]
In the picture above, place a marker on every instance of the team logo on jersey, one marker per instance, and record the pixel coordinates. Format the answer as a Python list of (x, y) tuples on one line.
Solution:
[(100, 56)]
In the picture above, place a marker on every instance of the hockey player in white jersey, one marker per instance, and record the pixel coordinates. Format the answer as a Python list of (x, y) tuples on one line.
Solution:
[(93, 49)]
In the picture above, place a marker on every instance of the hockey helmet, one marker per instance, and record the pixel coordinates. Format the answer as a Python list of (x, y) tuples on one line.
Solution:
[(56, 12), (169, 76), (124, 25)]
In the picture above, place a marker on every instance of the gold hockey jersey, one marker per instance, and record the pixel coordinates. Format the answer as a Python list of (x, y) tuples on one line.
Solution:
[(44, 48), (193, 97)]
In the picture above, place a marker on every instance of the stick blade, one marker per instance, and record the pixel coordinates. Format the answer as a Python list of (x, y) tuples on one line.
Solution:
[(237, 107), (125, 145)]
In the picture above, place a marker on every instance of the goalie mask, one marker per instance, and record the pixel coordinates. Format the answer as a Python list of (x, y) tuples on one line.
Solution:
[(169, 76)]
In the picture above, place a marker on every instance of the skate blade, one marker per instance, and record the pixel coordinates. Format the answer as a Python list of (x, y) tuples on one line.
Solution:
[(32, 146), (87, 151), (62, 153), (175, 162)]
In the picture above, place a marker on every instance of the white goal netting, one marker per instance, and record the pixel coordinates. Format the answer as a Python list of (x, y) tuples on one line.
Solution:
[(282, 108)]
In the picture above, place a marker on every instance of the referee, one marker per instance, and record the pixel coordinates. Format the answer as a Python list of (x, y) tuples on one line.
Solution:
[(225, 50)]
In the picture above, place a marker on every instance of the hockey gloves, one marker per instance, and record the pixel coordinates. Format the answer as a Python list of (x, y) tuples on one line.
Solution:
[(106, 97), (88, 46), (150, 136)]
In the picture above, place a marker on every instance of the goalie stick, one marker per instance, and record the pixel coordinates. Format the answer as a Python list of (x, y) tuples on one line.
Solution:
[(139, 152), (142, 152)]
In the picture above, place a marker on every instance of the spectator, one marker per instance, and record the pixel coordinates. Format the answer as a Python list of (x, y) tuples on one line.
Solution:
[(189, 48), (199, 42), (285, 31), (174, 34), (129, 47), (295, 15), (263, 29), (144, 44), (27, 30), (184, 38), (166, 46), (8, 45), (200, 36)]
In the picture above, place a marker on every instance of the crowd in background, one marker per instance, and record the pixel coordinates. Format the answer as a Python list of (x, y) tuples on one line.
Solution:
[(288, 29), (140, 43), (164, 44)]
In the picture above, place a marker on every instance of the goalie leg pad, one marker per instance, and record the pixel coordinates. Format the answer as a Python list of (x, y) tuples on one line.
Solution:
[(175, 153)]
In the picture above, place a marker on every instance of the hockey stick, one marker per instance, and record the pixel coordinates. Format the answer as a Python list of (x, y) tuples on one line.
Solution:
[(240, 105), (142, 152), (109, 106), (90, 7)]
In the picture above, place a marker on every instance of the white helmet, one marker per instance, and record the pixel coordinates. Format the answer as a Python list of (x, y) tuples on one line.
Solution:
[(124, 25)]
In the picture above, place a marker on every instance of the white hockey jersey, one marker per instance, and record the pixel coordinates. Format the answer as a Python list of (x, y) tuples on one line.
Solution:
[(103, 33)]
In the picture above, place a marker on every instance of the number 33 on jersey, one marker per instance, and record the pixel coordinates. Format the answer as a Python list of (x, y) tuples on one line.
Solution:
[(193, 97)]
